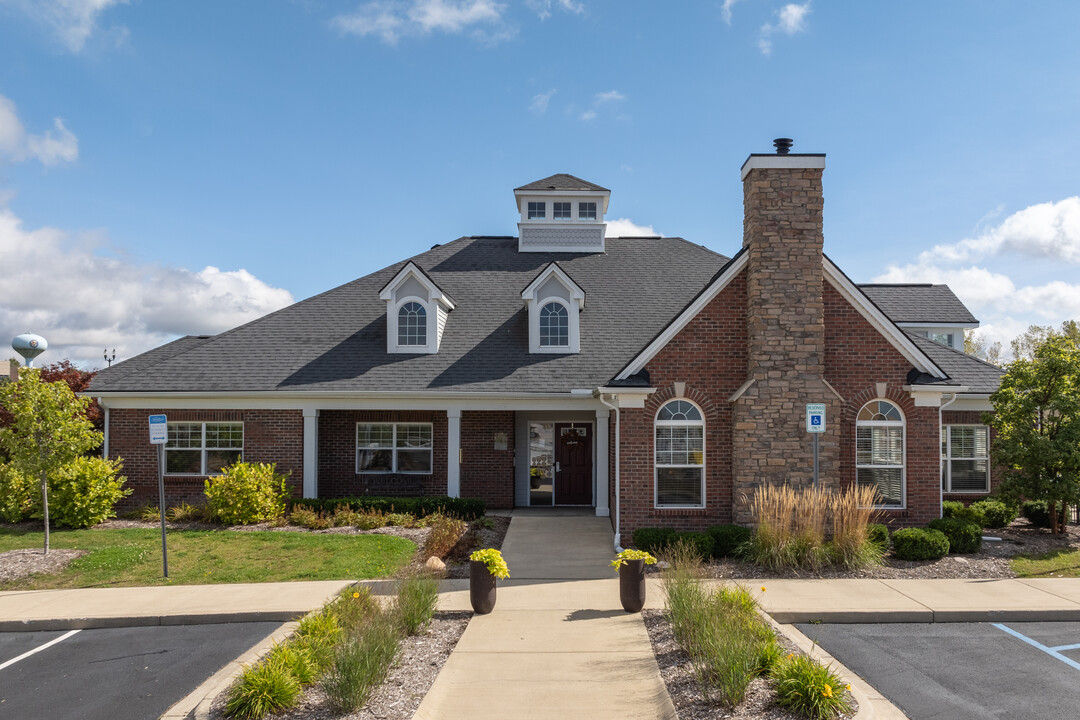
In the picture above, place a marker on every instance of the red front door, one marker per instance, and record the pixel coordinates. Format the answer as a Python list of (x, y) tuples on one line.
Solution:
[(573, 464)]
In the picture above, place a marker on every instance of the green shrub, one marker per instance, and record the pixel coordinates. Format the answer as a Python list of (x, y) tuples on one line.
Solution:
[(727, 539), (307, 518), (318, 633), (418, 594), (295, 656), (360, 664), (84, 492), (964, 536), (148, 513), (879, 535), (247, 493), (702, 543), (185, 512), (354, 607), (653, 540), (810, 689), (262, 689), (919, 544), (949, 508), (17, 495), (996, 514), (1037, 512), (443, 535), (418, 507), (400, 519)]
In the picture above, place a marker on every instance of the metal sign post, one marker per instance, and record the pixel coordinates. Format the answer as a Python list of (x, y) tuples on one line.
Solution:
[(815, 425), (159, 435)]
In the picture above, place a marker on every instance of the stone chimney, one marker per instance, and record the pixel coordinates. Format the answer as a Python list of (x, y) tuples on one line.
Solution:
[(782, 235)]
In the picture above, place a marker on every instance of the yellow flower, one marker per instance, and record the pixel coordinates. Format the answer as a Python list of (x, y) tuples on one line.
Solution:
[(356, 594), (848, 686), (762, 588), (827, 690)]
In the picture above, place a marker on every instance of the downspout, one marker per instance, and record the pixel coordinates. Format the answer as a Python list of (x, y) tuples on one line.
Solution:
[(941, 437), (600, 397), (105, 439)]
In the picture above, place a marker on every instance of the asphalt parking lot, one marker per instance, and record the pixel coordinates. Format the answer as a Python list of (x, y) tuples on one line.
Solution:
[(964, 671), (112, 673)]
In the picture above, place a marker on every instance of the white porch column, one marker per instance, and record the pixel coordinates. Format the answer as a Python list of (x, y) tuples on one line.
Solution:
[(453, 453), (602, 472), (311, 452)]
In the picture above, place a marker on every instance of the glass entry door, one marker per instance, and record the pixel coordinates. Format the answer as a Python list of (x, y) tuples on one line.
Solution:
[(541, 463)]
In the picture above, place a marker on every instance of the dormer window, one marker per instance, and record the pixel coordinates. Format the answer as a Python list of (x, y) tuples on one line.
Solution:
[(554, 302), (537, 210), (554, 325), (586, 211), (416, 312), (561, 211), (412, 324)]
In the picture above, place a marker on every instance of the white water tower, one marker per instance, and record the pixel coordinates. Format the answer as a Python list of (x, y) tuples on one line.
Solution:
[(29, 346)]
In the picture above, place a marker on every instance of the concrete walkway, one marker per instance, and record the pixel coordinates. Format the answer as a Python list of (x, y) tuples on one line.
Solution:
[(558, 644)]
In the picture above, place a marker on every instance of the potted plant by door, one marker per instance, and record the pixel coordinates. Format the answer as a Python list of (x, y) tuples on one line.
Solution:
[(485, 566), (630, 564)]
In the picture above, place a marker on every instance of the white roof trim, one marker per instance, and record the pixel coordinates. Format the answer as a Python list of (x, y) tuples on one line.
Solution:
[(943, 389), (938, 324), (578, 295), (411, 269), (684, 318), (881, 323)]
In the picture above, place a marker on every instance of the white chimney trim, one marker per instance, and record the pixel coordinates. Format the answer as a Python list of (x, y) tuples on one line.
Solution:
[(783, 162)]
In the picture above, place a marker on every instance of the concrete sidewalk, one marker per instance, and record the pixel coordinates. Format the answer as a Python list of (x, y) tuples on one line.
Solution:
[(558, 644)]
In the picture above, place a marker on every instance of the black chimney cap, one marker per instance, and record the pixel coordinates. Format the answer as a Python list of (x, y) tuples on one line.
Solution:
[(783, 145)]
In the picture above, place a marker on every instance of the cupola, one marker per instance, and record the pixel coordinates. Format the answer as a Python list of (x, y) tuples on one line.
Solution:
[(561, 213)]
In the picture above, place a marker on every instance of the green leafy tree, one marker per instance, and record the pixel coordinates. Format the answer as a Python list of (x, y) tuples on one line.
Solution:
[(977, 345), (1025, 345), (1037, 419), (49, 429)]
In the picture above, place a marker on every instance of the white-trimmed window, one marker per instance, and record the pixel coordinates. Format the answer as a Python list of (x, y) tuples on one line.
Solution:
[(679, 455), (554, 325), (942, 338), (537, 210), (203, 448), (412, 324), (560, 211), (965, 455), (393, 448), (586, 211), (879, 451)]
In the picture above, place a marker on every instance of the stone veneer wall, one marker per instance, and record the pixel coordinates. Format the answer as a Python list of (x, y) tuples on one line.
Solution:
[(782, 234), (272, 436)]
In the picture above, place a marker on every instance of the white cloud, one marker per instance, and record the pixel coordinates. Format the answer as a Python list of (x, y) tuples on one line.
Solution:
[(599, 100), (73, 21), (543, 7), (393, 20), (609, 96), (791, 19), (49, 148), (725, 11), (1046, 230), (68, 289), (625, 227), (539, 104), (588, 115)]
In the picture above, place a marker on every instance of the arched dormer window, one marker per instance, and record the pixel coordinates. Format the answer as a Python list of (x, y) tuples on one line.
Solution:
[(554, 302), (879, 451), (412, 324), (679, 455), (554, 325), (416, 311)]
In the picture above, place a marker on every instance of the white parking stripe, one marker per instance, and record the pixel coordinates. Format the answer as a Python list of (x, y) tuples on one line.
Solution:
[(1052, 652), (27, 654)]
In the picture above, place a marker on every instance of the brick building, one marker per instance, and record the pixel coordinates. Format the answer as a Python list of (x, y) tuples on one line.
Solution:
[(649, 378)]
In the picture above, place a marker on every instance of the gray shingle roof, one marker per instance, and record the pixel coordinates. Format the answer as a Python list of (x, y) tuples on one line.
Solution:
[(919, 303), (962, 369), (336, 341), (562, 181)]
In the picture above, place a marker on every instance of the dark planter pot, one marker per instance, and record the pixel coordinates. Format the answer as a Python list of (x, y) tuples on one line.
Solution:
[(632, 585), (481, 588)]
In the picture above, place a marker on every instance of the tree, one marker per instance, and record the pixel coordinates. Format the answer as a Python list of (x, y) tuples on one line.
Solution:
[(977, 345), (1037, 419), (49, 429), (1025, 345), (76, 379)]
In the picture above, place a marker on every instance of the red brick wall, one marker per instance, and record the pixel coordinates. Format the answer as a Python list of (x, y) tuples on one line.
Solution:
[(273, 436), (709, 355), (856, 358), (487, 473), (337, 455), (971, 417)]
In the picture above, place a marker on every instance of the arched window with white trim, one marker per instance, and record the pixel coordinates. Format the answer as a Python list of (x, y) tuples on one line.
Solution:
[(554, 325), (879, 451), (679, 455), (412, 324)]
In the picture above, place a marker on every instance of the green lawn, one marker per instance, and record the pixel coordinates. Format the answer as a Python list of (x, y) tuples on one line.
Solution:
[(124, 558), (1059, 563)]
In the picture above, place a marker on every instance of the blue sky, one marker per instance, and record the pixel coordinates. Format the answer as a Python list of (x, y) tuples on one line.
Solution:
[(180, 167)]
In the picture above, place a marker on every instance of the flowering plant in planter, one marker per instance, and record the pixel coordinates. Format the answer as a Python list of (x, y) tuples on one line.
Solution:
[(493, 559), (625, 555)]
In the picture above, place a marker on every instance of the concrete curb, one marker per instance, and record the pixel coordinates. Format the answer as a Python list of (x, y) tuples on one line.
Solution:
[(841, 617), (90, 623), (872, 704), (198, 702)]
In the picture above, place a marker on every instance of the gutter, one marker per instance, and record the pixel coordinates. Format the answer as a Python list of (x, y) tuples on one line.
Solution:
[(941, 437), (618, 443)]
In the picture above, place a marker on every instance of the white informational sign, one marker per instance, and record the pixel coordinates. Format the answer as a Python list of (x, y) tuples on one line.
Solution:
[(159, 430), (815, 417)]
